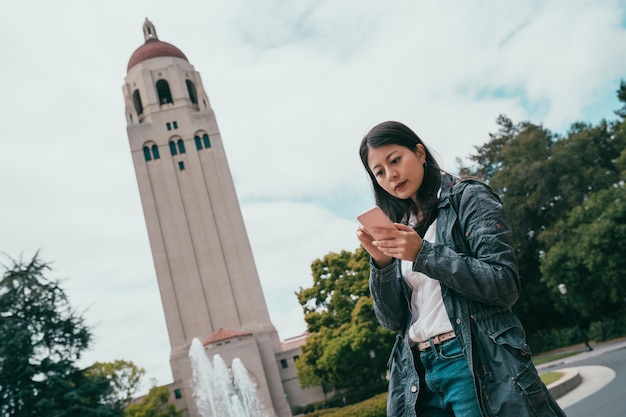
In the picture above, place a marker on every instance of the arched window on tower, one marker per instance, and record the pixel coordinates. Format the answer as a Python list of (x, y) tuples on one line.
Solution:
[(163, 90), (146, 154), (137, 102), (181, 146), (155, 152), (191, 89), (202, 143), (173, 150)]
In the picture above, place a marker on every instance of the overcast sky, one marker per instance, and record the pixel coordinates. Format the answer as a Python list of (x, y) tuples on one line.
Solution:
[(295, 86)]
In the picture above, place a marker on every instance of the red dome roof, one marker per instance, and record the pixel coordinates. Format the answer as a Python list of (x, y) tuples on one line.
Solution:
[(154, 48)]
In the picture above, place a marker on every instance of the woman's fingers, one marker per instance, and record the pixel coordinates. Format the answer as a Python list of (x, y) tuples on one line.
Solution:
[(404, 243)]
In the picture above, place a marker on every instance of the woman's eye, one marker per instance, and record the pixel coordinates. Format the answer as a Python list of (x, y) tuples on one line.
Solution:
[(378, 173), (395, 160)]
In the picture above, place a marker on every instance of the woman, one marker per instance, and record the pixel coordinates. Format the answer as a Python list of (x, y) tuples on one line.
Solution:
[(445, 278)]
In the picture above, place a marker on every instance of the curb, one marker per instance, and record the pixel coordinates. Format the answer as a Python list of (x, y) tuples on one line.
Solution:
[(572, 378), (565, 384)]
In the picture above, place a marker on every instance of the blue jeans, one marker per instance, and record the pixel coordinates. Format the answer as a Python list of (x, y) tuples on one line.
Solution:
[(446, 383)]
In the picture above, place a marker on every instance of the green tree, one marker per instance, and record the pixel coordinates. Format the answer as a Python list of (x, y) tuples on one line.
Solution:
[(75, 395), (154, 404), (621, 95), (541, 178), (488, 157), (123, 377), (620, 131), (588, 254), (41, 339), (347, 347)]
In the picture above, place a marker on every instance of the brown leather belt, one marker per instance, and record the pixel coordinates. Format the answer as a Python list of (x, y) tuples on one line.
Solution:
[(437, 340)]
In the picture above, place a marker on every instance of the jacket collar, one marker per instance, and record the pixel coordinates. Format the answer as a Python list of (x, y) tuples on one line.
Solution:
[(447, 182)]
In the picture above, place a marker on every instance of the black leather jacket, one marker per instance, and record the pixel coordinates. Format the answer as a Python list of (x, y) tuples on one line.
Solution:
[(474, 260)]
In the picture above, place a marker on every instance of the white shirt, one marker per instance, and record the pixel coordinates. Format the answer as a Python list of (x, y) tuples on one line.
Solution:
[(429, 313)]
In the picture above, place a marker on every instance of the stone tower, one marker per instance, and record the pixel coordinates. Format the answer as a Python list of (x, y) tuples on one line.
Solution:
[(206, 273)]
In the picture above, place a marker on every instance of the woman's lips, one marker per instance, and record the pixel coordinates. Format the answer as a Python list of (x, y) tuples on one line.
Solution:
[(399, 186)]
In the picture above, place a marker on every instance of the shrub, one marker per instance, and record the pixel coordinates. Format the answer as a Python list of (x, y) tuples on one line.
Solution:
[(373, 407), (341, 399), (607, 329), (547, 340)]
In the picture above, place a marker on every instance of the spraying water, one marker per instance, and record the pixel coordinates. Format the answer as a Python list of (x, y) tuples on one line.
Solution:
[(220, 391)]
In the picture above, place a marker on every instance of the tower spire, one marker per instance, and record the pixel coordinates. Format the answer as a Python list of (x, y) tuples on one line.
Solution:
[(149, 32)]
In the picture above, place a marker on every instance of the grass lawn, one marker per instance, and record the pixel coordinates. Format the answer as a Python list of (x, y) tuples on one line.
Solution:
[(549, 377), (538, 360)]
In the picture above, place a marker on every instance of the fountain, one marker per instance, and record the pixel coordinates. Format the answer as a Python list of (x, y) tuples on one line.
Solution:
[(220, 391)]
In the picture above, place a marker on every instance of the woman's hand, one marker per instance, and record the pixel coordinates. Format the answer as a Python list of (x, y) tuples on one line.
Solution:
[(401, 243), (367, 241)]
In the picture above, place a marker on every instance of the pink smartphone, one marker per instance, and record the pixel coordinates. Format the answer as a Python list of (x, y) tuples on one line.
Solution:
[(373, 218)]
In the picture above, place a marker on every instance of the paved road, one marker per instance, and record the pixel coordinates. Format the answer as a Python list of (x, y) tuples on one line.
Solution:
[(603, 390)]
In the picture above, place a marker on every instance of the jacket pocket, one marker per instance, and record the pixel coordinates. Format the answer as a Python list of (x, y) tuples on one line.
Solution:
[(530, 384), (512, 337), (500, 345), (509, 382)]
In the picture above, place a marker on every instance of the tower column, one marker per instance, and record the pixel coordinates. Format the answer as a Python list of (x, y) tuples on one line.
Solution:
[(202, 256)]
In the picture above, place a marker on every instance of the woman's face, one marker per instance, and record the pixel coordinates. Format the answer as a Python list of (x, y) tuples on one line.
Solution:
[(398, 169)]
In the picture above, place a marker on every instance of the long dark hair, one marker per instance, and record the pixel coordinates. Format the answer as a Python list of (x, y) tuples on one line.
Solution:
[(398, 210)]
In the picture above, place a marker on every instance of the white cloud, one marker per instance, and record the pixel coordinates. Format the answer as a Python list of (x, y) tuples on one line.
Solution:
[(289, 236), (294, 86)]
